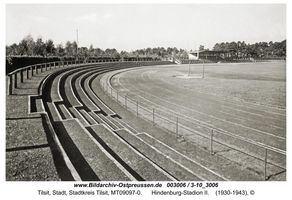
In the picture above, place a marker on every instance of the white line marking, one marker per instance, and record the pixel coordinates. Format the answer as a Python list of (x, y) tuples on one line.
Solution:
[(230, 101), (240, 137), (208, 115)]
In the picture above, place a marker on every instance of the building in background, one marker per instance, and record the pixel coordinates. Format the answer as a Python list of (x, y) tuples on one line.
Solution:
[(210, 55)]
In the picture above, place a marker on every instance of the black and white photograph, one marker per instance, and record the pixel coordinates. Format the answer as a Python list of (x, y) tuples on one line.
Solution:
[(186, 95)]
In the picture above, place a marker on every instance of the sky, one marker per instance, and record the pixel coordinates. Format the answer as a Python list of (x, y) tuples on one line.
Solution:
[(130, 26)]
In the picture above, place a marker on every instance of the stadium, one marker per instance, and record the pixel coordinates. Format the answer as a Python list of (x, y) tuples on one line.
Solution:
[(158, 114), (143, 122)]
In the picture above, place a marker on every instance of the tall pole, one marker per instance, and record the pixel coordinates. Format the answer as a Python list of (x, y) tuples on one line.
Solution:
[(203, 68), (266, 159), (77, 42), (189, 67)]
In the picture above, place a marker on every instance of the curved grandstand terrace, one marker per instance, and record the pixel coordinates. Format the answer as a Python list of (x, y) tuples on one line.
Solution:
[(65, 121)]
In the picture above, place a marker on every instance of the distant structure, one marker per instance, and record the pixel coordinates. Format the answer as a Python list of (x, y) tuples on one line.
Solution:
[(193, 55), (209, 55)]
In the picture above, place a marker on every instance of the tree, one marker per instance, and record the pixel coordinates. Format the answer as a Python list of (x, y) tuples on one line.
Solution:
[(50, 47), (124, 54), (12, 50), (40, 47), (280, 48), (30, 44), (83, 52), (68, 49), (60, 51), (112, 53), (91, 51), (26, 46), (236, 50), (74, 48), (98, 52)]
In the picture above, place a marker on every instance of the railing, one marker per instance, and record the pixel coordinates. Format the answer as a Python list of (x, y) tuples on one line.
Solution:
[(33, 70), (215, 137), (30, 71)]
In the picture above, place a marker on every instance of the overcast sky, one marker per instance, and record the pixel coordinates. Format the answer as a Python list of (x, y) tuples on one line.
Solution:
[(127, 27)]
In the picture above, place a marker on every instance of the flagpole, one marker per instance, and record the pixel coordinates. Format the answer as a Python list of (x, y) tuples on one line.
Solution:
[(189, 67), (77, 42)]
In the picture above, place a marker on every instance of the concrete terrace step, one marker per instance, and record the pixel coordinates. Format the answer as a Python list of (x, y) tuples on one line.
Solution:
[(55, 92), (82, 79), (89, 119), (116, 121), (108, 120), (61, 74), (99, 120), (225, 167), (53, 112), (96, 117), (134, 159), (172, 166), (89, 158), (69, 92), (94, 96), (83, 98), (77, 114), (39, 105), (126, 125), (65, 86), (35, 104), (199, 169), (63, 111)]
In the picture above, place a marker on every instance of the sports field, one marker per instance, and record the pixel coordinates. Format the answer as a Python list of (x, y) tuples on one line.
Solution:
[(242, 106)]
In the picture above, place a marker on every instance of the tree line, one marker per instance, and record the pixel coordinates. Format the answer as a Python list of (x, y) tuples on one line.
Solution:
[(30, 47), (257, 50)]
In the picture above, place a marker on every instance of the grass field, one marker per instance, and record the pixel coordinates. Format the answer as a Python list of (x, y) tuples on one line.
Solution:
[(241, 100)]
